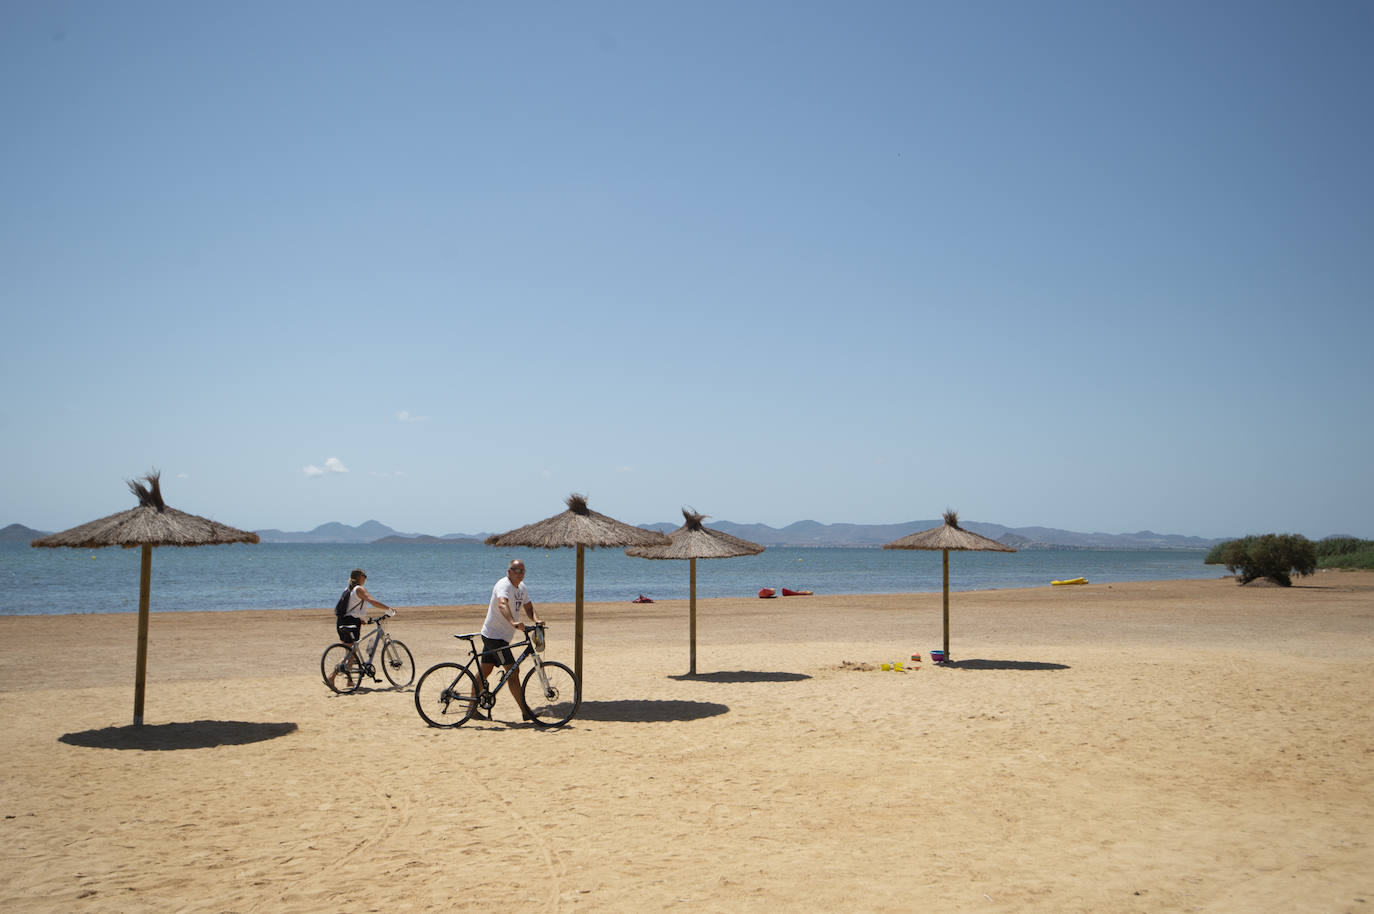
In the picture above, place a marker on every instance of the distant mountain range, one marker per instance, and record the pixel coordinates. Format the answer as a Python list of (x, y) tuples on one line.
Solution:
[(813, 533), (367, 532), (802, 533), (18, 533)]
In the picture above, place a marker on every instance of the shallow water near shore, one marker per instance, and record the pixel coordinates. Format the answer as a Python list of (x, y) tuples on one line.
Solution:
[(300, 576)]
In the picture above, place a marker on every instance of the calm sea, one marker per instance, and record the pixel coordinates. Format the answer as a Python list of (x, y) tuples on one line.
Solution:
[(297, 576)]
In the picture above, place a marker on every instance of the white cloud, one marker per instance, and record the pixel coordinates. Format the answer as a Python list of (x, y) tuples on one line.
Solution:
[(406, 415), (332, 465), (625, 469)]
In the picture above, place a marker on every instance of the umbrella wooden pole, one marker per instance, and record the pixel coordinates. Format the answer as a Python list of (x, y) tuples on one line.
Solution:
[(693, 615), (145, 577), (577, 655), (946, 564)]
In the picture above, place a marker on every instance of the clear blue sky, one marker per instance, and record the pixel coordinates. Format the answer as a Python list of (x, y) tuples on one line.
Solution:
[(1097, 266)]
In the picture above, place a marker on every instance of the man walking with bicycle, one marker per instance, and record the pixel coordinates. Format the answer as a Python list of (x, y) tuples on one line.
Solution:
[(509, 599)]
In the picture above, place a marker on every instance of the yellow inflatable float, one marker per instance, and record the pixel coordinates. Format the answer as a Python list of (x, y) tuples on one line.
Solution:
[(1071, 581)]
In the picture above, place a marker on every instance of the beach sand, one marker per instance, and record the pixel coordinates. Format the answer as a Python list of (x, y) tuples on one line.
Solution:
[(1164, 746)]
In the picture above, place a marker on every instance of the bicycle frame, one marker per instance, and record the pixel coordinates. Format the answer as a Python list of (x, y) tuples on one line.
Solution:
[(488, 697), (375, 639)]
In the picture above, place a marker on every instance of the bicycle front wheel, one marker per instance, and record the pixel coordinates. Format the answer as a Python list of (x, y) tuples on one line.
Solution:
[(398, 664), (552, 702), (446, 695), (340, 669)]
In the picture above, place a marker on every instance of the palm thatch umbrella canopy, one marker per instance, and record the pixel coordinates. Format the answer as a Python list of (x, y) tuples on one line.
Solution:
[(151, 524), (948, 536), (693, 541), (583, 528)]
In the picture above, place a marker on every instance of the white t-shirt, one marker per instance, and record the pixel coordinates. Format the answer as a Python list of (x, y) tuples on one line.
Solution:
[(496, 625), (355, 604)]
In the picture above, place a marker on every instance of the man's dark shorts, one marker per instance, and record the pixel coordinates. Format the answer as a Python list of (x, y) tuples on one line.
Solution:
[(503, 656), (349, 628)]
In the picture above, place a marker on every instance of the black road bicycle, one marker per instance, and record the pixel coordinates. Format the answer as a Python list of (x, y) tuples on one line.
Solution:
[(450, 694)]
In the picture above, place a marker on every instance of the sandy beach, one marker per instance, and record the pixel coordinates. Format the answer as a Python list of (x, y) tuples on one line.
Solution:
[(1165, 746)]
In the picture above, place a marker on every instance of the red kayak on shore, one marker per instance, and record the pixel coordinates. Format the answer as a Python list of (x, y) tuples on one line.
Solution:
[(767, 593), (795, 593)]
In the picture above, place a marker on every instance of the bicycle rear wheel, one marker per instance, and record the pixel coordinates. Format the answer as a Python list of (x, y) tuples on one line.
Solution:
[(555, 705), (339, 674), (398, 664), (446, 695)]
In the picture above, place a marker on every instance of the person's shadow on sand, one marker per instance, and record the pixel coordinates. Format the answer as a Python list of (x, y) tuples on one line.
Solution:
[(1002, 665), (648, 710), (196, 734), (741, 676)]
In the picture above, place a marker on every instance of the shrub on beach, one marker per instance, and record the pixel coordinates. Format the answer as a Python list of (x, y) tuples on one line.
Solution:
[(1349, 560), (1345, 552), (1275, 556), (1343, 545)]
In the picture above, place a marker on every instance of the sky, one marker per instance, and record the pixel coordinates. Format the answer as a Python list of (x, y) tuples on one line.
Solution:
[(1104, 267)]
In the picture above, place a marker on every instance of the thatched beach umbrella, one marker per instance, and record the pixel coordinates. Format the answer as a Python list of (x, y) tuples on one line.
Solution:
[(584, 528), (693, 541), (944, 538), (151, 524)]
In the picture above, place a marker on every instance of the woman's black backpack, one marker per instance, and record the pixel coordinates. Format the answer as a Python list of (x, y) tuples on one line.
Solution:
[(341, 607)]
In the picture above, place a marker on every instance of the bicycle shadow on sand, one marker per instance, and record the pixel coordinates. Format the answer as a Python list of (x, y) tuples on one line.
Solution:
[(195, 734), (368, 690), (1001, 665), (633, 711), (742, 676)]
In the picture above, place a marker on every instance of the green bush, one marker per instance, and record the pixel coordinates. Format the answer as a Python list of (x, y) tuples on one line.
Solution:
[(1275, 556), (1215, 555), (1348, 560), (1343, 545)]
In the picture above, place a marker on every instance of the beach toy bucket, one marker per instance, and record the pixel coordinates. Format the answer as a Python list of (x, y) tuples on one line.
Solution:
[(937, 656)]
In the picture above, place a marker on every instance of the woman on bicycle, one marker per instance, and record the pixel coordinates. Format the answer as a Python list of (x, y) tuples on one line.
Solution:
[(350, 624)]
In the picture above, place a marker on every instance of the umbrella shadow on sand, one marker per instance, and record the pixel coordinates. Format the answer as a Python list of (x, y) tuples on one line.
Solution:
[(632, 711), (196, 734), (742, 676), (1002, 665)]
